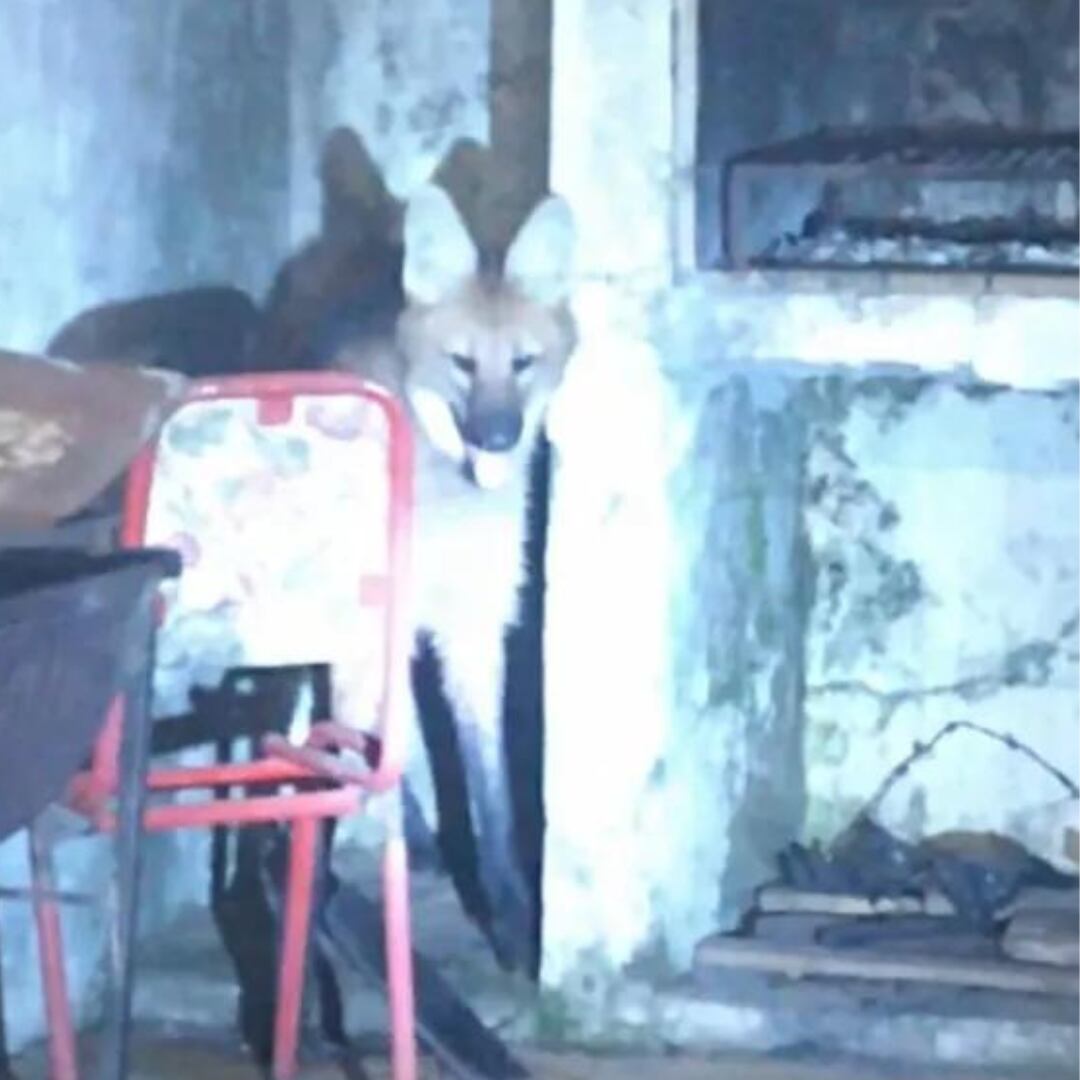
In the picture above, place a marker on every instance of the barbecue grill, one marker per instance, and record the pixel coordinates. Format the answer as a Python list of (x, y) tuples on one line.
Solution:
[(952, 199)]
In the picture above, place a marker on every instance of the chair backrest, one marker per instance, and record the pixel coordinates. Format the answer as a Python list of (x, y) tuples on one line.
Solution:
[(288, 497)]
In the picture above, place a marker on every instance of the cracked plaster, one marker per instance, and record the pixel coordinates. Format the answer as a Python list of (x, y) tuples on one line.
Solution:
[(976, 495)]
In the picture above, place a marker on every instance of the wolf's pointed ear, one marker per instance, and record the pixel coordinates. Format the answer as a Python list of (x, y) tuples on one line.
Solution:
[(439, 253), (540, 261)]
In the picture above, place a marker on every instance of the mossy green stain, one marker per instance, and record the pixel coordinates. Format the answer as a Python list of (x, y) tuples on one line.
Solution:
[(766, 624), (756, 539), (555, 1020), (827, 817), (827, 743)]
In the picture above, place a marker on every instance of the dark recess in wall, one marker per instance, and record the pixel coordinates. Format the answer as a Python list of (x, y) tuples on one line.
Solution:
[(772, 71)]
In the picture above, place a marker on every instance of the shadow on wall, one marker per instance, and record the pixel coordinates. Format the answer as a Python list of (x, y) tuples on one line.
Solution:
[(354, 262), (346, 281), (201, 331), (343, 282)]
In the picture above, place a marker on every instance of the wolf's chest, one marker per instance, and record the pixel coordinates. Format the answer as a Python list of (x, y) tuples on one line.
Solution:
[(468, 560)]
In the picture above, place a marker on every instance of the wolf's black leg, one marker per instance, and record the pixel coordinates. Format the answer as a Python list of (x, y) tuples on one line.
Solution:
[(510, 901)]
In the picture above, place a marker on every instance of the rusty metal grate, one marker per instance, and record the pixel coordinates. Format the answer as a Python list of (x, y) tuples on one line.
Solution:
[(970, 151)]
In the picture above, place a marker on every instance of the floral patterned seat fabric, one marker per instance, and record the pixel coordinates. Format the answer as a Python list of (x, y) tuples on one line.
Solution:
[(282, 526)]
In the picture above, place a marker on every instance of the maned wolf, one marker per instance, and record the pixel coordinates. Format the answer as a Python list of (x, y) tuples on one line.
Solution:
[(477, 352)]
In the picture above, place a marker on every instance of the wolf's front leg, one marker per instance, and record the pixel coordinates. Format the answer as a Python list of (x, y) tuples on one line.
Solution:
[(473, 674)]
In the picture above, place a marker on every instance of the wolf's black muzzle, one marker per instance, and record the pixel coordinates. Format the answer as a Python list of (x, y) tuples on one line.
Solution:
[(493, 431)]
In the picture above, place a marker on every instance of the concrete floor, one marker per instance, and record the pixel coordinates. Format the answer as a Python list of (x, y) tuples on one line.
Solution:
[(185, 988), (157, 1059)]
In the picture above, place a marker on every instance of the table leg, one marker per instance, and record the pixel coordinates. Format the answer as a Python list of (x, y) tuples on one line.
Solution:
[(127, 862)]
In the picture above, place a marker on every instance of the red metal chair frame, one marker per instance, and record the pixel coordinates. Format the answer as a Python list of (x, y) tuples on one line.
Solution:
[(344, 783)]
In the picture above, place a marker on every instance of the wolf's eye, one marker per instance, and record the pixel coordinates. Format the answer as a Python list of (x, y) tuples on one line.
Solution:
[(465, 364), (523, 363)]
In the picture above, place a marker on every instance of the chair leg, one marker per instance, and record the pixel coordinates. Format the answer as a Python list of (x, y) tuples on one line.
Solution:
[(62, 1056), (403, 1064), (5, 1059), (298, 896)]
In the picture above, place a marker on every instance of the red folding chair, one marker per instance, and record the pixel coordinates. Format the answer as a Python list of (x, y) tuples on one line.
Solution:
[(289, 499)]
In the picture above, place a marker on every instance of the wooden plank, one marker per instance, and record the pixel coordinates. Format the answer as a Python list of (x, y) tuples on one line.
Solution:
[(1072, 844), (803, 961), (1044, 937), (909, 935), (780, 899), (1039, 898), (793, 927)]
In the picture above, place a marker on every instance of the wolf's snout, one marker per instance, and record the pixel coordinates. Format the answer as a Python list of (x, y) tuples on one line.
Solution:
[(494, 432)]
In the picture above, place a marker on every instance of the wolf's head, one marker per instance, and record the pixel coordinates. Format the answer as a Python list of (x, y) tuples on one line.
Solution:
[(484, 348)]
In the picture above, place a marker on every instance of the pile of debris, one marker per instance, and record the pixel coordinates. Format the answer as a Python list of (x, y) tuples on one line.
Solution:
[(840, 246), (969, 910)]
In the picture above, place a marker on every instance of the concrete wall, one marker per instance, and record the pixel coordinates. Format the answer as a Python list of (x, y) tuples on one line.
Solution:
[(686, 554), (455, 90), (944, 522), (1008, 62)]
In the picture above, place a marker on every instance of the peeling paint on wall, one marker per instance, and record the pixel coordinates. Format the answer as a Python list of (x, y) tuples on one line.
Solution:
[(944, 537), (141, 154), (409, 79)]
